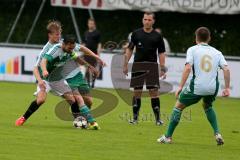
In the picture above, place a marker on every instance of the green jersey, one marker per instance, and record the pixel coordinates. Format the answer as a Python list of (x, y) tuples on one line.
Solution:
[(57, 58)]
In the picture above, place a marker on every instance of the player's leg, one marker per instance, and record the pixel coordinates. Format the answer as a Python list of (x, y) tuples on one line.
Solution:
[(212, 118), (81, 84), (137, 82), (85, 111), (41, 98), (94, 64), (136, 104), (88, 100), (155, 102), (152, 84), (186, 98), (61, 88)]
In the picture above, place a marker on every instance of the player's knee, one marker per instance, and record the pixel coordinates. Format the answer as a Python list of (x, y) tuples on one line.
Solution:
[(70, 100), (153, 93), (41, 100), (180, 106), (137, 94)]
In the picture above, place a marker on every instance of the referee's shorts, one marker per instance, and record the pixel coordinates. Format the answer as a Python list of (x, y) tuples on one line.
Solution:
[(145, 73)]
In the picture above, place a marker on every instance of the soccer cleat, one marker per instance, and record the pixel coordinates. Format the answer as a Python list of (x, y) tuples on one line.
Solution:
[(164, 139), (133, 122), (93, 126), (20, 121), (159, 122), (219, 139)]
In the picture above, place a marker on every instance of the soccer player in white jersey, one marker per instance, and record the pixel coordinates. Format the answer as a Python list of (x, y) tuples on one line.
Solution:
[(204, 61), (52, 67), (54, 30)]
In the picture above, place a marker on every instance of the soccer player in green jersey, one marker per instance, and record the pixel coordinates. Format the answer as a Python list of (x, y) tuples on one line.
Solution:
[(59, 55), (204, 61), (54, 30)]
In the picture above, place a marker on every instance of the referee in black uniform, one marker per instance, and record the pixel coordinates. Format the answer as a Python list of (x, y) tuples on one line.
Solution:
[(149, 46)]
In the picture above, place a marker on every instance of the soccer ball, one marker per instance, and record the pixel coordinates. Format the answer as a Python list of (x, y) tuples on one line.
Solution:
[(80, 122)]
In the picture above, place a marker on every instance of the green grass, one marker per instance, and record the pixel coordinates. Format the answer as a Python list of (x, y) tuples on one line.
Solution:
[(44, 136)]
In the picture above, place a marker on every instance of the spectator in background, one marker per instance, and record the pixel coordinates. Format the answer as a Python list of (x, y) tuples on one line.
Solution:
[(92, 40), (167, 46)]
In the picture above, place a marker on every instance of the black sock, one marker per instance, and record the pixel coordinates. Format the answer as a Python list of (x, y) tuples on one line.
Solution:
[(156, 108), (31, 109), (75, 110), (136, 102)]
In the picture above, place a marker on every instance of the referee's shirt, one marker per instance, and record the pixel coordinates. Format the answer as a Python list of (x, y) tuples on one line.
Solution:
[(147, 45)]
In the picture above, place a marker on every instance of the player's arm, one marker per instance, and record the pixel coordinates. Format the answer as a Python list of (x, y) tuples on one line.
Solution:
[(87, 51), (99, 49), (186, 71), (129, 52), (161, 53), (81, 61), (185, 74), (36, 73), (226, 73), (162, 65), (127, 56), (44, 67)]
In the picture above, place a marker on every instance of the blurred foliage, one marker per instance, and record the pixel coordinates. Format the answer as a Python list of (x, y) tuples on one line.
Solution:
[(178, 28)]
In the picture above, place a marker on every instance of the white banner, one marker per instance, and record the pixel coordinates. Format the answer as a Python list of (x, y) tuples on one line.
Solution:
[(16, 64), (197, 6)]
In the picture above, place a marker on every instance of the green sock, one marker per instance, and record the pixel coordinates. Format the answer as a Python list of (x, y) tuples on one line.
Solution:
[(211, 116), (84, 110), (175, 118)]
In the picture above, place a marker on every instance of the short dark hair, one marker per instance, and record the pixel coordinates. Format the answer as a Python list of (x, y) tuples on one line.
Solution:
[(202, 34), (54, 25), (91, 19), (69, 38), (150, 14)]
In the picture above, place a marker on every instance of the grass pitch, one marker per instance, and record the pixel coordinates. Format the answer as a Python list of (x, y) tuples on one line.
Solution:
[(45, 136)]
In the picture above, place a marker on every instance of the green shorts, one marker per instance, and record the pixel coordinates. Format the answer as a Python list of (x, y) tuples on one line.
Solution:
[(188, 98), (78, 82)]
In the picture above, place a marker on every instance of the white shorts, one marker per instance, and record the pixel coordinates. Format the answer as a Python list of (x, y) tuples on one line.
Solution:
[(57, 88)]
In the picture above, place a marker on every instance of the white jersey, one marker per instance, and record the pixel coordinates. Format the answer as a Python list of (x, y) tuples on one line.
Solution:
[(71, 67), (205, 61), (45, 49)]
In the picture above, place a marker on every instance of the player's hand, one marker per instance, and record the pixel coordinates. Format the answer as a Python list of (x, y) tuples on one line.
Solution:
[(178, 92), (163, 75), (125, 70), (226, 92), (42, 85), (94, 71), (102, 63), (45, 74)]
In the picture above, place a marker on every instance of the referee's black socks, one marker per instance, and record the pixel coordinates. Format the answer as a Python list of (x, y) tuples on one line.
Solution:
[(136, 102), (156, 108), (31, 109)]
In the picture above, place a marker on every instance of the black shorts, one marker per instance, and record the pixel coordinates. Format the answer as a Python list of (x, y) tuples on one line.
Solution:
[(145, 72)]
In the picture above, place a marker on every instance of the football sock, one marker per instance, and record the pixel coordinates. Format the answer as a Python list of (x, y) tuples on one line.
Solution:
[(211, 116), (75, 110), (136, 102), (84, 110), (156, 108), (31, 109), (175, 118)]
